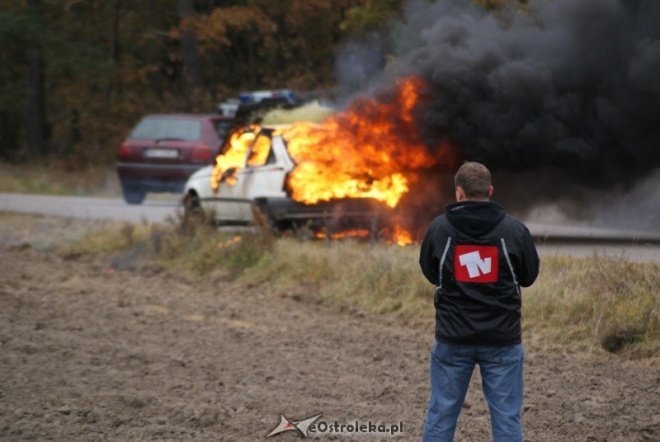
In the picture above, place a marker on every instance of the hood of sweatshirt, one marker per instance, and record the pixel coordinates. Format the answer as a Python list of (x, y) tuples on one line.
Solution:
[(474, 218)]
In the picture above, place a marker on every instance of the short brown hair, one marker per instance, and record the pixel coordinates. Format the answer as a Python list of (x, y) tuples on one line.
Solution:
[(474, 178)]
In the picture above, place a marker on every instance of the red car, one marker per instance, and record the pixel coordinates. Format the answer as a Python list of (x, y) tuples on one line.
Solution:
[(162, 151)]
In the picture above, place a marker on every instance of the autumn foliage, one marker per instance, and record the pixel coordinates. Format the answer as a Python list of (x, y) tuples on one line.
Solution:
[(78, 74)]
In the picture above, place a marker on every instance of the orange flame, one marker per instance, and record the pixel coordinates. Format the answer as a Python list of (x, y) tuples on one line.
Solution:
[(230, 242), (234, 157), (398, 236), (401, 237), (371, 150), (351, 233)]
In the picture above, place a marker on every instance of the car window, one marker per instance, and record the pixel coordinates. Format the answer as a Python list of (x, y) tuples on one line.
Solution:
[(168, 128), (222, 128), (271, 157), (260, 151)]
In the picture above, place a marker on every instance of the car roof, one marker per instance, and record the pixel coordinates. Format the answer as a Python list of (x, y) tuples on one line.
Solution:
[(275, 126), (188, 116)]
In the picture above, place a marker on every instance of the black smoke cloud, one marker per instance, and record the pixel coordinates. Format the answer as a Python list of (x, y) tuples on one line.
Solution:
[(568, 88), (568, 83), (358, 64)]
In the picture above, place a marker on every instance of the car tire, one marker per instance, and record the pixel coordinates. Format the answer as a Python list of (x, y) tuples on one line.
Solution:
[(192, 208), (263, 218), (133, 194)]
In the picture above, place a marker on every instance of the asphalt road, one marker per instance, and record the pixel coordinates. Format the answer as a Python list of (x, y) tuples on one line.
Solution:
[(551, 239), (153, 210)]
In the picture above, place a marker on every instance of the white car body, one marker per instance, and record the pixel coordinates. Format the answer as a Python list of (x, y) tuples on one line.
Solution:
[(264, 187), (233, 203)]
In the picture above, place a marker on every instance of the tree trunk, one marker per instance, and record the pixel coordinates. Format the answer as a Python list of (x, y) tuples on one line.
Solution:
[(35, 105), (189, 55), (252, 66), (114, 38)]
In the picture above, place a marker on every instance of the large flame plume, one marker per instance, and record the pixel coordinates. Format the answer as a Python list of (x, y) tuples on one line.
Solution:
[(235, 152), (371, 150), (374, 149)]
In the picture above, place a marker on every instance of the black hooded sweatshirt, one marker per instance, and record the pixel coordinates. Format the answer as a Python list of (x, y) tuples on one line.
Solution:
[(478, 257)]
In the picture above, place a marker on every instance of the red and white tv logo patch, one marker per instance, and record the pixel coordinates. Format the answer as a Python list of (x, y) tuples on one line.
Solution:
[(476, 263)]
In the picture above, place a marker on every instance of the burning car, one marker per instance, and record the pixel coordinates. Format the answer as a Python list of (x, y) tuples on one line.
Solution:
[(366, 166), (252, 179)]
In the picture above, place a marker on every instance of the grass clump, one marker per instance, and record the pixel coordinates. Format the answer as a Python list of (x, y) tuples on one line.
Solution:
[(193, 246), (109, 240), (201, 249), (379, 278), (612, 303), (615, 339)]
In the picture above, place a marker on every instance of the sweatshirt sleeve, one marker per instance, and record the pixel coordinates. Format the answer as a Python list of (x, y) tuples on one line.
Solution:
[(529, 260), (428, 260)]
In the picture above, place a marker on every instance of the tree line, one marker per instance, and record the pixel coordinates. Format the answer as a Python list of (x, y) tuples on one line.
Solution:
[(77, 74)]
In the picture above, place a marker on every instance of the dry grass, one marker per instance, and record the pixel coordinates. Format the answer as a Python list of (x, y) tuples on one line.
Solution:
[(380, 278), (612, 303), (192, 246), (106, 241), (584, 304), (54, 178)]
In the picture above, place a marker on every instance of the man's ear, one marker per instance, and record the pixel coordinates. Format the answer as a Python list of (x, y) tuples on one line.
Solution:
[(491, 190), (460, 193)]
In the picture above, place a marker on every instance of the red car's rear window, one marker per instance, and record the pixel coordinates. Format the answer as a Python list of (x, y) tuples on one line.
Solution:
[(222, 127), (167, 129)]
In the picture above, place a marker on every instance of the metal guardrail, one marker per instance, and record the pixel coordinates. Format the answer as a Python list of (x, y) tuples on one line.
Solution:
[(551, 234)]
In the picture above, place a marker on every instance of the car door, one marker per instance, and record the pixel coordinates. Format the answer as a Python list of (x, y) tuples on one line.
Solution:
[(263, 175), (230, 199), (218, 203)]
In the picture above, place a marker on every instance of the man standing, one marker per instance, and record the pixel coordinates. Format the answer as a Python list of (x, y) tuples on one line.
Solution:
[(478, 257)]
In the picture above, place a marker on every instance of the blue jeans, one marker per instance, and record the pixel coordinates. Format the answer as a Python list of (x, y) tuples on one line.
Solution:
[(502, 382)]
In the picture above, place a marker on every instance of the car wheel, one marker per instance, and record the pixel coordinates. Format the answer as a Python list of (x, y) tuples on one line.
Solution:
[(263, 218), (133, 194), (192, 208)]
